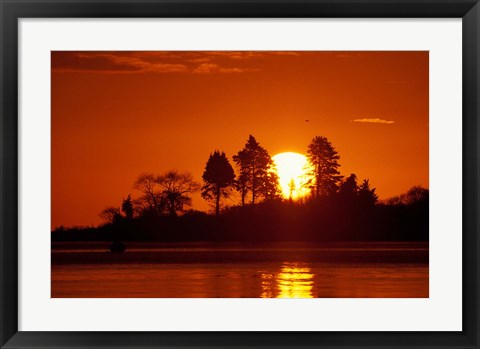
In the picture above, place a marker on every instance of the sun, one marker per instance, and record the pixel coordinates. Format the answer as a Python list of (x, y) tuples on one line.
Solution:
[(292, 170)]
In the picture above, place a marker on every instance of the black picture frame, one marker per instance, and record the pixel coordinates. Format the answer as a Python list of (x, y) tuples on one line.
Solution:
[(13, 10)]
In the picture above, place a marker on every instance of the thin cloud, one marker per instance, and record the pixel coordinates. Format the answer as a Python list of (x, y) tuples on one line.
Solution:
[(207, 68), (374, 121), (198, 62), (284, 53), (139, 64), (114, 62), (234, 54)]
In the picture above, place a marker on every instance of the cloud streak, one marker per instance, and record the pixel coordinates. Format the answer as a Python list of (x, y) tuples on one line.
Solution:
[(208, 68), (374, 121), (113, 62), (148, 62), (199, 62)]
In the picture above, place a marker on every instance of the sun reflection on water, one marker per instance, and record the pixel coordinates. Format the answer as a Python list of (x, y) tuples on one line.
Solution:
[(293, 281)]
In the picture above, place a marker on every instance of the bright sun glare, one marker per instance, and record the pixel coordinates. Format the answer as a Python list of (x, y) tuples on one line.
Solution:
[(292, 170)]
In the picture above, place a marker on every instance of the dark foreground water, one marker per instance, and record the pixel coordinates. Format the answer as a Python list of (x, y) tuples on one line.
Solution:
[(145, 270)]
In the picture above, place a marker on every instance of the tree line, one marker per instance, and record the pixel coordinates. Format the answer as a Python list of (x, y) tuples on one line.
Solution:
[(255, 180), (337, 207)]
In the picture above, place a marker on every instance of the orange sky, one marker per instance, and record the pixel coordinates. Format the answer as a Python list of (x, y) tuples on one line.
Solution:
[(117, 114)]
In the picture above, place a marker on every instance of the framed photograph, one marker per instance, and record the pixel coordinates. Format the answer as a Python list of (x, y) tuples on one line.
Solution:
[(240, 174)]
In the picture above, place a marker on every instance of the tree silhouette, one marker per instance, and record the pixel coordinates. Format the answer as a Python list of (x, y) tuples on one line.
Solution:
[(271, 187), (241, 186), (176, 190), (413, 195), (416, 194), (111, 215), (349, 187), (151, 199), (127, 207), (218, 178), (324, 162), (256, 171), (367, 195), (291, 188)]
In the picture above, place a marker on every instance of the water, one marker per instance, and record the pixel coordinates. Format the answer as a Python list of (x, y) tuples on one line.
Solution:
[(346, 270)]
